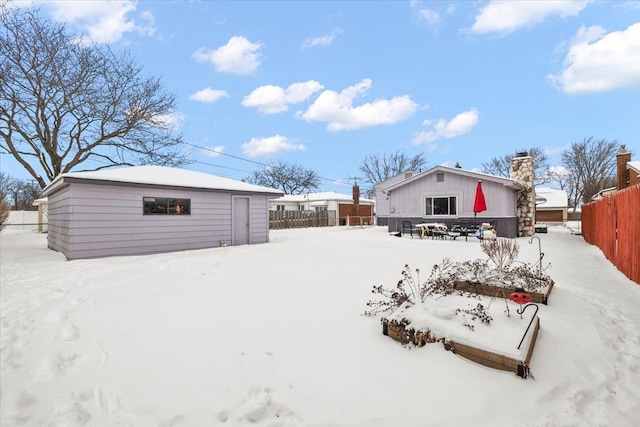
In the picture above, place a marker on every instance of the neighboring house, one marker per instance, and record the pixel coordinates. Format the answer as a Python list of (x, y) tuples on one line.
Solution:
[(150, 209), (383, 206), (446, 194), (600, 194), (551, 205), (342, 204), (627, 174), (633, 169)]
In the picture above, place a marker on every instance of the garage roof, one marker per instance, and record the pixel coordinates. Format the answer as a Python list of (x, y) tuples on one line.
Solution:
[(160, 175)]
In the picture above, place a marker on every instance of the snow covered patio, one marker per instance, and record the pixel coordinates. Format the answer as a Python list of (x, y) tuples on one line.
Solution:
[(273, 335)]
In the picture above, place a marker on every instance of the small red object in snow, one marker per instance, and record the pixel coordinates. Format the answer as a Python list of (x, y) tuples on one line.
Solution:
[(520, 298)]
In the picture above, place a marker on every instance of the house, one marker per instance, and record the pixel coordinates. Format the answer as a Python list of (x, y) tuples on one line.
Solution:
[(151, 209), (446, 194), (383, 207), (628, 171), (551, 205), (341, 205), (627, 174)]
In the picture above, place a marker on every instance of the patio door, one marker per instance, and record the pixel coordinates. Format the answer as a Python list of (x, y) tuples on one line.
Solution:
[(241, 221)]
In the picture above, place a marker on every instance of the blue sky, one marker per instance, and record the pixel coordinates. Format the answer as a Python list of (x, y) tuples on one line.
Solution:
[(325, 84)]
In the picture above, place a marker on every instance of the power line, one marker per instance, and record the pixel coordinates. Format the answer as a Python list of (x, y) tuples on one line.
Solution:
[(335, 182)]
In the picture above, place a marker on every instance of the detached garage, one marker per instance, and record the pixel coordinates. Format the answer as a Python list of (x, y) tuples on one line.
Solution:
[(151, 209), (551, 205)]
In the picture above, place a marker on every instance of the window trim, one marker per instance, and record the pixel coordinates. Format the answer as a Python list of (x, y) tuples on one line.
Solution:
[(169, 204), (450, 197)]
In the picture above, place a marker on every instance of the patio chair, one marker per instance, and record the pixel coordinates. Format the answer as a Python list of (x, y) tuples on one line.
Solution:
[(407, 227)]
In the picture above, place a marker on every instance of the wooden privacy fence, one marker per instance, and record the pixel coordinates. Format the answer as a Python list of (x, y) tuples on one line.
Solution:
[(613, 225), (301, 219)]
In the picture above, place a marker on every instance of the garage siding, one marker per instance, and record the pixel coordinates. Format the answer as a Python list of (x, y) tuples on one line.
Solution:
[(94, 220)]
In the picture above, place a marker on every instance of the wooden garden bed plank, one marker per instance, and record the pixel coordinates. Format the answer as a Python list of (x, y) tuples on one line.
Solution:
[(499, 291), (483, 357)]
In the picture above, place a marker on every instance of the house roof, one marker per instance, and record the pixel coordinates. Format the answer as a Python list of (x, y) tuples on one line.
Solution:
[(600, 194), (553, 198), (319, 197), (507, 182), (635, 165), (161, 175), (395, 179)]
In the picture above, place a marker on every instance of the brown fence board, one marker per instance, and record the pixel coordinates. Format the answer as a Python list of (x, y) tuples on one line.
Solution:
[(613, 224)]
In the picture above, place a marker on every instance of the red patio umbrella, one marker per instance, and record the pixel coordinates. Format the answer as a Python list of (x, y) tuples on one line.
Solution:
[(479, 204)]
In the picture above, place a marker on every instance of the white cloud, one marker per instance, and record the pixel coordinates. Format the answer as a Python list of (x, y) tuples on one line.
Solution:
[(337, 109), (599, 62), (238, 56), (432, 17), (208, 95), (325, 40), (508, 16), (104, 21), (172, 120), (459, 125), (270, 146), (213, 151), (271, 99)]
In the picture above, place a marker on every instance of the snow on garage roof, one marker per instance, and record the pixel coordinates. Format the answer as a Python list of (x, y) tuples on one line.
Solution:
[(162, 175), (554, 198)]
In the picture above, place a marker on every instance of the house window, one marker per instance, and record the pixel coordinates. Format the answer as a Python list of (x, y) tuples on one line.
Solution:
[(440, 177), (279, 207), (321, 208), (166, 206), (441, 205)]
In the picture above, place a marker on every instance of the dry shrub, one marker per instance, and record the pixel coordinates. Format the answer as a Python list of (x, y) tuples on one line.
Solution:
[(503, 252), (4, 212)]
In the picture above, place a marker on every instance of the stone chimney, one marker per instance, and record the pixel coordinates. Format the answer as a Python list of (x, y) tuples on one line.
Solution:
[(622, 159), (522, 170)]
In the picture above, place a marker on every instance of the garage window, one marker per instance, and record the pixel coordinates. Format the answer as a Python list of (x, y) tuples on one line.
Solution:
[(166, 206)]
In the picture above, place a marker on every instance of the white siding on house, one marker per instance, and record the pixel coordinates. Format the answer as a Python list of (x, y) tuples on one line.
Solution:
[(408, 200), (383, 205)]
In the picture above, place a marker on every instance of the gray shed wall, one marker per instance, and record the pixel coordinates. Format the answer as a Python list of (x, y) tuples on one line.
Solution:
[(93, 220)]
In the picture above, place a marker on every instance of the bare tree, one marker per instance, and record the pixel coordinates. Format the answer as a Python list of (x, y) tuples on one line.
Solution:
[(64, 102), (376, 168), (6, 184), (591, 165), (566, 181), (19, 194), (290, 178), (501, 166)]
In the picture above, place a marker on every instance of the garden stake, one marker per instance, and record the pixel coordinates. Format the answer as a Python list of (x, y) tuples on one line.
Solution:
[(532, 317), (540, 256)]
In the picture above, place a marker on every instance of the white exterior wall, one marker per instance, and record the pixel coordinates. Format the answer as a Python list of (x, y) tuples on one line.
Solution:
[(408, 200), (383, 203), (88, 220)]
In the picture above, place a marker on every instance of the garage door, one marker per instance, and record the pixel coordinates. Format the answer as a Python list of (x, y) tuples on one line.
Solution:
[(548, 216)]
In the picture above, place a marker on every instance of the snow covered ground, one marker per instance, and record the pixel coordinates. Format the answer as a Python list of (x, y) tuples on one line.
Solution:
[(273, 335)]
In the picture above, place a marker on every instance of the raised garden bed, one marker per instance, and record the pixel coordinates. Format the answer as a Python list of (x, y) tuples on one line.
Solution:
[(492, 336), (500, 291)]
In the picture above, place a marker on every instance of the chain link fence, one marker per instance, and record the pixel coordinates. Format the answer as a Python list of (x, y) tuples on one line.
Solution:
[(22, 236)]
